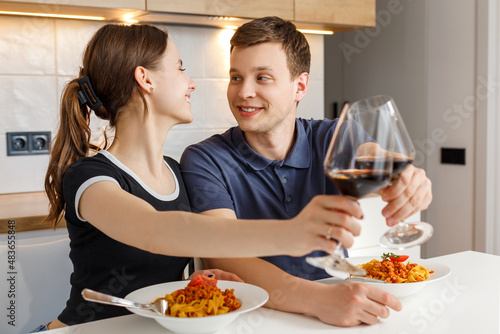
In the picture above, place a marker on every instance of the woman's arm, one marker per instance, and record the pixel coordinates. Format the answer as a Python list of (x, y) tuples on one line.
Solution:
[(133, 221)]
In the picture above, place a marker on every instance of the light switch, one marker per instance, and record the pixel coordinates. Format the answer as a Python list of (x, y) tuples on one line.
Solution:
[(455, 156)]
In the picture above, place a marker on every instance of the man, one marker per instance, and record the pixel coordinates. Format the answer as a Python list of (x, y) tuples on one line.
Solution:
[(271, 166)]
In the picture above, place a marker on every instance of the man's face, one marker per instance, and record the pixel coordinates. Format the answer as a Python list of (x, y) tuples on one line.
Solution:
[(261, 94)]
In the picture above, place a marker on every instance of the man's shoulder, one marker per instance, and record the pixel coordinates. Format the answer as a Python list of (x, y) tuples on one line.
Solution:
[(210, 147), (315, 126)]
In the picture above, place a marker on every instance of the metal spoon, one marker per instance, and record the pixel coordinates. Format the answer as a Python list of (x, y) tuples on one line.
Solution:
[(159, 307), (336, 266), (352, 278)]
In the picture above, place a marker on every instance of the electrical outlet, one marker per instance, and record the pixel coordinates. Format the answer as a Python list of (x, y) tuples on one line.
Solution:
[(17, 143), (40, 142), (28, 143)]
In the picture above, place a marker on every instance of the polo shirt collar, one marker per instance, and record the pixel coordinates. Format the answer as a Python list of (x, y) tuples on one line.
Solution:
[(299, 157)]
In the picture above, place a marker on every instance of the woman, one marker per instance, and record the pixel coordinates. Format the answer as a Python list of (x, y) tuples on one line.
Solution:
[(126, 207)]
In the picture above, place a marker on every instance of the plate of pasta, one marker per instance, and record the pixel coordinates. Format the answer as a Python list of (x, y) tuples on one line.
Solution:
[(398, 275), (202, 305)]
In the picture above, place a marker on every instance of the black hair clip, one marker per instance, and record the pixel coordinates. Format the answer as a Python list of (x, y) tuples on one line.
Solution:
[(83, 94)]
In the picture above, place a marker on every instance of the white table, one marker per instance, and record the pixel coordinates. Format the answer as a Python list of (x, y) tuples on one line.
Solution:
[(467, 301)]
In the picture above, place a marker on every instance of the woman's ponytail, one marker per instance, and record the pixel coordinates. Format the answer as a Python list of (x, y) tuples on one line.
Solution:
[(71, 143)]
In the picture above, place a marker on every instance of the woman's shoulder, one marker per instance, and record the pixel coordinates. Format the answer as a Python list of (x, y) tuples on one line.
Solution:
[(97, 161), (84, 169)]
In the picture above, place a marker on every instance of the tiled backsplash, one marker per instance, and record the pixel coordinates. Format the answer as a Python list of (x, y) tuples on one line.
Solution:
[(38, 56)]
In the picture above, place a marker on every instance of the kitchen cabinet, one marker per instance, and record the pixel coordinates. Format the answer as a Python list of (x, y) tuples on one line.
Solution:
[(337, 14), (239, 8), (131, 4), (112, 10)]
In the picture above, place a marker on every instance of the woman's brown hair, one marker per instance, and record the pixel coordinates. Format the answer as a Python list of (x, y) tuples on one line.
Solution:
[(275, 29), (109, 62)]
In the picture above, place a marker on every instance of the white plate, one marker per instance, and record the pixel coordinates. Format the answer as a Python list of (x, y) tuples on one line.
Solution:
[(250, 297), (399, 290)]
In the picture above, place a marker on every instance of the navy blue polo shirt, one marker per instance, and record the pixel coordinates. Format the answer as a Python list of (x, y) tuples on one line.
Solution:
[(223, 171)]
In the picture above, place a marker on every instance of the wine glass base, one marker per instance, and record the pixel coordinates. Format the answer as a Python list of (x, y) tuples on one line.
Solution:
[(407, 235)]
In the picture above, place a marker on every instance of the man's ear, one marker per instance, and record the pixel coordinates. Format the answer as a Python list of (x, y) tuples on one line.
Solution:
[(302, 83), (143, 78)]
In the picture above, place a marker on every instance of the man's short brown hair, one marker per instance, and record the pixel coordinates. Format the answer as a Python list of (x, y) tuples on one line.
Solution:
[(275, 29)]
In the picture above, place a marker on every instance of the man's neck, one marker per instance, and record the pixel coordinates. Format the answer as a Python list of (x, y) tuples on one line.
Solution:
[(273, 145)]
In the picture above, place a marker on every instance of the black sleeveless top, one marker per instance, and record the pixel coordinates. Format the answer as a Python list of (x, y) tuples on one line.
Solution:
[(101, 263)]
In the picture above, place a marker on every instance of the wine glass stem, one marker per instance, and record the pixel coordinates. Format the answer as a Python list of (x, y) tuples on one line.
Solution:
[(402, 227), (339, 250)]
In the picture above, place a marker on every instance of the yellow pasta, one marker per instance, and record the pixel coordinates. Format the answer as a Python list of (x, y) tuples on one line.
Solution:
[(199, 299), (394, 271)]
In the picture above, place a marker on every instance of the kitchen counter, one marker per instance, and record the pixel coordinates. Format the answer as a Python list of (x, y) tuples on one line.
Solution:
[(23, 204), (467, 301), (27, 209)]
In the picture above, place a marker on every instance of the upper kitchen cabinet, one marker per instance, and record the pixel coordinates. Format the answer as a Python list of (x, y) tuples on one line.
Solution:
[(131, 4), (116, 10), (238, 8), (336, 15)]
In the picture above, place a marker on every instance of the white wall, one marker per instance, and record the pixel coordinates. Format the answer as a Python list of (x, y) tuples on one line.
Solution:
[(451, 110), (487, 180), (423, 53), (37, 57)]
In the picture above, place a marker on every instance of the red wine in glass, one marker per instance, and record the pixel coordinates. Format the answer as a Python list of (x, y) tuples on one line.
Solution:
[(399, 164), (358, 183)]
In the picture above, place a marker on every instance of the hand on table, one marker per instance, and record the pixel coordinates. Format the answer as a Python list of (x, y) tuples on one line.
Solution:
[(351, 304), (411, 193)]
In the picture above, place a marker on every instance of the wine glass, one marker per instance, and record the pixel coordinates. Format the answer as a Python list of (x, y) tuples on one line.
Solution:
[(358, 162), (402, 235)]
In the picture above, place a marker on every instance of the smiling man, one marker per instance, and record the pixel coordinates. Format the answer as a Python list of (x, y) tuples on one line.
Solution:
[(271, 166)]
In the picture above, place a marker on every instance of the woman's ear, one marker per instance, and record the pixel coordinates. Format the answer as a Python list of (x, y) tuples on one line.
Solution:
[(302, 83), (143, 78)]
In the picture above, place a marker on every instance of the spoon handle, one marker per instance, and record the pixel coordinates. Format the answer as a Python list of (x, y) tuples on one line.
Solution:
[(98, 297), (365, 279)]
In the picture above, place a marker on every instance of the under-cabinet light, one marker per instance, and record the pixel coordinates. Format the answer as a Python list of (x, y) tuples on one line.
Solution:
[(129, 19), (316, 32), (58, 16)]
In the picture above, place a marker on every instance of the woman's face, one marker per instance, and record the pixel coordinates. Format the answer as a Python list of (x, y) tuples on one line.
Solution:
[(172, 87)]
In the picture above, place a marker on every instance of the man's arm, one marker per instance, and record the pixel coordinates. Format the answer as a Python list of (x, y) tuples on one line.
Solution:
[(338, 304)]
